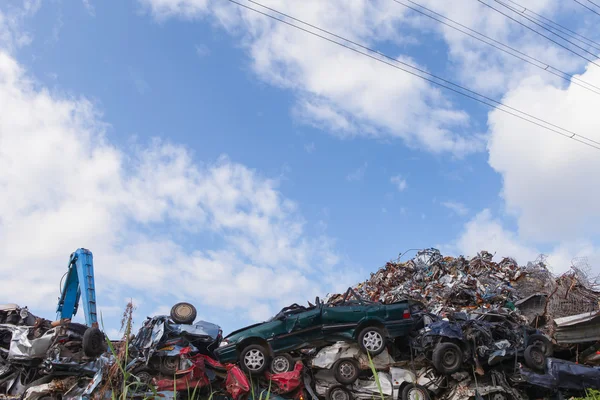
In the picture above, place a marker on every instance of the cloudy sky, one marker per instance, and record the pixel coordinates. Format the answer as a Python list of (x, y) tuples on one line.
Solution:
[(207, 153)]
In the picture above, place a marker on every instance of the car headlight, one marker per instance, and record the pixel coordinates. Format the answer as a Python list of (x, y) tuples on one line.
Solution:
[(224, 342)]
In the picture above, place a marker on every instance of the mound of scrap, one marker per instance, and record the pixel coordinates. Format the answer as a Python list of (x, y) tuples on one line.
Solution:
[(432, 327), (448, 285)]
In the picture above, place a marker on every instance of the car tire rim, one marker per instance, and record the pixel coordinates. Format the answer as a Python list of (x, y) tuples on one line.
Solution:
[(417, 394), (347, 370), (498, 396), (339, 394), (171, 363), (537, 357), (280, 364), (144, 377), (449, 358), (183, 311), (254, 360), (372, 341)]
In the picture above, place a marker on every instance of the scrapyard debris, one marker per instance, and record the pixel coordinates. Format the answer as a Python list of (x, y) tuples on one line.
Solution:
[(432, 327)]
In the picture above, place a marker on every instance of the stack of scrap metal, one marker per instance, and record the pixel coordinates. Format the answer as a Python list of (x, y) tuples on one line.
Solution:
[(432, 327), (451, 284)]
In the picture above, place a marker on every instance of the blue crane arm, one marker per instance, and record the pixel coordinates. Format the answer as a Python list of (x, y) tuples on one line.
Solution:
[(79, 284)]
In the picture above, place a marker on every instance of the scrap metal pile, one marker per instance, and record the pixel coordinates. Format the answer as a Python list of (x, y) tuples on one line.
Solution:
[(432, 327)]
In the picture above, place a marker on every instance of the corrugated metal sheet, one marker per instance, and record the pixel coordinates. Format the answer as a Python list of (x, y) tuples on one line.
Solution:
[(576, 319), (578, 328)]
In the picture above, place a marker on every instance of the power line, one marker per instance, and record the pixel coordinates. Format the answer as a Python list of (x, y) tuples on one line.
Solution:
[(589, 8), (597, 5), (542, 123), (539, 33), (525, 57), (561, 28)]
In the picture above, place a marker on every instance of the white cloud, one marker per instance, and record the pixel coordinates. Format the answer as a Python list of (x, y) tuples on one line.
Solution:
[(358, 174), (73, 188), (456, 207), (89, 7), (310, 147), (12, 35), (202, 50), (484, 232), (339, 90), (548, 180), (399, 182), (138, 80)]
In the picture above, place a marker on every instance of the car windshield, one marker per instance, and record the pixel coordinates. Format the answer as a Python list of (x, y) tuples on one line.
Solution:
[(290, 310)]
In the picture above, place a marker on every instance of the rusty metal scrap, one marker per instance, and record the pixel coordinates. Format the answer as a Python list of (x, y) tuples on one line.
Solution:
[(496, 316)]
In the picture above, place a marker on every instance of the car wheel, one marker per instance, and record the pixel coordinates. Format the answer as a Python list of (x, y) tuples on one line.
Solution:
[(183, 313), (498, 396), (542, 342), (281, 363), (93, 342), (415, 392), (372, 340), (169, 365), (338, 393), (253, 359), (141, 376), (447, 358), (534, 358), (346, 370)]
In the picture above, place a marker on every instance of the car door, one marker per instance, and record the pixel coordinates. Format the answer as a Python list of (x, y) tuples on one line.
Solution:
[(341, 320), (302, 329)]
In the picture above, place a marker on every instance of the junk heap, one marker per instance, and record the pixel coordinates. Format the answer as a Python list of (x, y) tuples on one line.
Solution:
[(434, 327)]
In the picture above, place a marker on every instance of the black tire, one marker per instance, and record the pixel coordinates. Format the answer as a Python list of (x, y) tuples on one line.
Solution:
[(168, 365), (534, 358), (338, 393), (183, 313), (144, 375), (282, 363), (497, 396), (415, 392), (346, 371), (372, 340), (94, 342), (542, 342), (447, 358), (254, 359)]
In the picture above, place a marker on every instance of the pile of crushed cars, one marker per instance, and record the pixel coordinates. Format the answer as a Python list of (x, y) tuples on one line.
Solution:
[(432, 327)]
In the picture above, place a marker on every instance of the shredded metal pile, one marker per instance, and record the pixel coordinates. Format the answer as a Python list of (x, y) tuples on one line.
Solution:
[(514, 332), (449, 284)]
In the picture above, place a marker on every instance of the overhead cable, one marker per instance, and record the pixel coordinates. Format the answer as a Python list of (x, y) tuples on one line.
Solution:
[(457, 88), (541, 34), (501, 46), (555, 25), (589, 8)]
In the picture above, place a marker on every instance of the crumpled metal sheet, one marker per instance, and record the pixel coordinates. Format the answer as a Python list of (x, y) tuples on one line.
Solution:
[(367, 388), (286, 382), (327, 356), (564, 375), (370, 388), (200, 328), (22, 348), (236, 383), (187, 379)]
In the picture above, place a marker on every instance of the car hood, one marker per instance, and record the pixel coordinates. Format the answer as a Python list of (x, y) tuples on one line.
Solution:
[(264, 327)]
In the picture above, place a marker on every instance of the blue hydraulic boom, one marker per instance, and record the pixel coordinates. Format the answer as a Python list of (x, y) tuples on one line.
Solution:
[(79, 283)]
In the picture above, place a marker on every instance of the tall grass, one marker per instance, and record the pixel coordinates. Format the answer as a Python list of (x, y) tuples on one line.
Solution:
[(372, 366)]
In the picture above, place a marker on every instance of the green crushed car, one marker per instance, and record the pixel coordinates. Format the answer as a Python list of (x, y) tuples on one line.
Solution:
[(371, 324)]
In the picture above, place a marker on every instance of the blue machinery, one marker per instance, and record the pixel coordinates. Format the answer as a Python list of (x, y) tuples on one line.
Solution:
[(79, 283)]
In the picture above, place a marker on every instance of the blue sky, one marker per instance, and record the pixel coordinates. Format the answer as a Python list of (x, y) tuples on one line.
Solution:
[(333, 163)]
